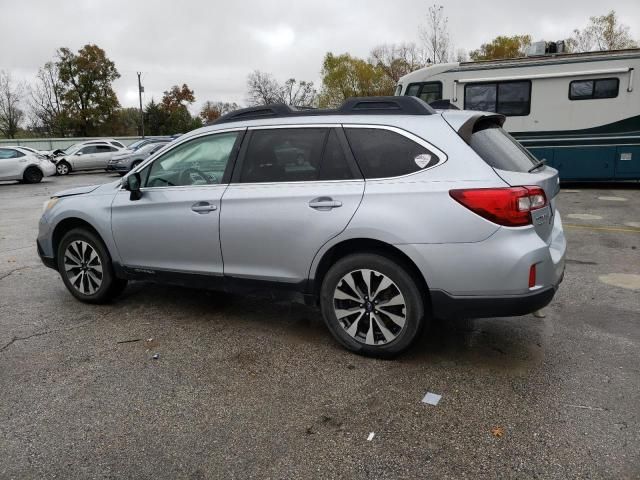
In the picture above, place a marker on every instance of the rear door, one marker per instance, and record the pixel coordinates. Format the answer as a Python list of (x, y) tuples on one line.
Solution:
[(103, 154), (11, 163), (293, 189), (515, 165)]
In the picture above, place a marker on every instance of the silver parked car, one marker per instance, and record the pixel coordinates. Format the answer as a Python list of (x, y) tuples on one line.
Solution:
[(86, 156), (384, 212), (130, 159)]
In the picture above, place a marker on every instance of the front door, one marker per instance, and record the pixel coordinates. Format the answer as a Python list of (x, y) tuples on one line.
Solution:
[(173, 227), (293, 190), (84, 159)]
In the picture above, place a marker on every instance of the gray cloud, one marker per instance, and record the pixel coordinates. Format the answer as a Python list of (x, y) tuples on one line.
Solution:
[(212, 46)]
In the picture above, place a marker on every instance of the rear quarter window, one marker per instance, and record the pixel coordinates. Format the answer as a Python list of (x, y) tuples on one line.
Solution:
[(500, 150), (382, 153)]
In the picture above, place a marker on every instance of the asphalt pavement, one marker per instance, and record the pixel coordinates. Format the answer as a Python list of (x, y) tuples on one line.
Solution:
[(248, 388)]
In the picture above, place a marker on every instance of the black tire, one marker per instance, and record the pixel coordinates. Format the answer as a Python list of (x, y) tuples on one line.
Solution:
[(32, 175), (63, 168), (110, 286), (413, 310)]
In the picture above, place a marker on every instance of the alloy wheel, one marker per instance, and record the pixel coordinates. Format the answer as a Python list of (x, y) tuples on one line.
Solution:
[(62, 169), (370, 307), (83, 267)]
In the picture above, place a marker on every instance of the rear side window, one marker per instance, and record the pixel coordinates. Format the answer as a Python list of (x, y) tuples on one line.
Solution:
[(592, 89), (6, 153), (117, 144), (500, 150), (427, 91), (382, 153)]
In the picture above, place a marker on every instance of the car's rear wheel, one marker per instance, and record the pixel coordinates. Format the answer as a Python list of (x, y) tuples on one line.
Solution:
[(86, 269), (32, 175), (63, 168), (372, 305)]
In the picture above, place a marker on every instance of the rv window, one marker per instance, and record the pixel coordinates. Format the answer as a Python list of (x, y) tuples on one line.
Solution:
[(592, 89), (507, 98), (500, 150), (427, 91)]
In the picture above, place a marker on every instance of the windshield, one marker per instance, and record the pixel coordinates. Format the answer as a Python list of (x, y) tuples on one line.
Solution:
[(72, 149), (501, 150), (137, 145)]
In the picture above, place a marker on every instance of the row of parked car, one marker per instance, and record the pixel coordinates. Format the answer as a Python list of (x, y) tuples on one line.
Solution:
[(28, 165)]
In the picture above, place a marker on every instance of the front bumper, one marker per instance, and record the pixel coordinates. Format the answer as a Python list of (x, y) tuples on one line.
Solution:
[(48, 261), (117, 167)]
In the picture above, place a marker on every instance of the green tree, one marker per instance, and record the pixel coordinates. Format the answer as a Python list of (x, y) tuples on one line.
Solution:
[(88, 95), (156, 119), (502, 47), (344, 76), (603, 33)]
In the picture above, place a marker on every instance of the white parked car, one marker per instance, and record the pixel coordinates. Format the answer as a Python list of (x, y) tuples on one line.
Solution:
[(92, 156), (17, 163)]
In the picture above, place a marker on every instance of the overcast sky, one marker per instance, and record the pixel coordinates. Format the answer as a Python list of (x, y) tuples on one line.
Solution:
[(213, 45)]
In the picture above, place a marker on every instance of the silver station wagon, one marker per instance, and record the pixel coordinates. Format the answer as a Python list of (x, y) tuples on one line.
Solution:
[(384, 212)]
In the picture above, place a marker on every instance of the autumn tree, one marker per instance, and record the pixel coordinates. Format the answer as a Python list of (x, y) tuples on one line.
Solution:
[(396, 60), (211, 111), (604, 32), (11, 115), (344, 76), (435, 35), (87, 93), (48, 112), (502, 47), (175, 110), (263, 89)]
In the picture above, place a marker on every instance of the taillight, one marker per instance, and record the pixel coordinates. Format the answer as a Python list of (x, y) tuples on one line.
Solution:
[(509, 206)]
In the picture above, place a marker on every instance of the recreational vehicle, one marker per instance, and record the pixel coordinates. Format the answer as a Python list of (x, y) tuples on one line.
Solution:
[(579, 112)]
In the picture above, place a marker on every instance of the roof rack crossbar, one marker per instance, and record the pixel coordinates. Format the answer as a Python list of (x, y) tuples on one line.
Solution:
[(353, 106)]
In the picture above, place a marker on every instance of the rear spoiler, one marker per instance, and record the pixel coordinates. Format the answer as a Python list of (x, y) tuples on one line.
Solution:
[(479, 122)]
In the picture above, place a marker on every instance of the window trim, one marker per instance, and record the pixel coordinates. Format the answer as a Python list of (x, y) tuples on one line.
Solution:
[(420, 141), (422, 84), (593, 93), (160, 153), (496, 83), (351, 161)]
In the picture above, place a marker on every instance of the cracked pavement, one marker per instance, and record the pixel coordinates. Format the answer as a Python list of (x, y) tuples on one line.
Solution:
[(249, 388)]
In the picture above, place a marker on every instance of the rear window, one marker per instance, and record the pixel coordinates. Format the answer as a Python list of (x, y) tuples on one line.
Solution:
[(500, 150), (382, 153)]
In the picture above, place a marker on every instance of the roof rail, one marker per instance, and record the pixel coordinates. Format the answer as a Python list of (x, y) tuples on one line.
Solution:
[(404, 105)]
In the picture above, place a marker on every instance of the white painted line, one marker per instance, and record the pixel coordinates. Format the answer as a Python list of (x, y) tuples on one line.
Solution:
[(584, 216), (370, 437), (613, 199), (632, 224), (629, 281), (431, 398), (569, 190)]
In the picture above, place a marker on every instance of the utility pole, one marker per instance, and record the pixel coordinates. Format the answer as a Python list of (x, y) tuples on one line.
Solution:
[(140, 90)]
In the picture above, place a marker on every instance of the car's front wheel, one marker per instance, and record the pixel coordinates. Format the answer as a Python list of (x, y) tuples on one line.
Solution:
[(86, 269), (372, 305), (63, 168)]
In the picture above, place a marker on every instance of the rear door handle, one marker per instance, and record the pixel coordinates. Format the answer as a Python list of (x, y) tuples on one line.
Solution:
[(324, 203), (203, 207)]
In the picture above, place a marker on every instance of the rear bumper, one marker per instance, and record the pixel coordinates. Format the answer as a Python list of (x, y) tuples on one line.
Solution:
[(446, 306)]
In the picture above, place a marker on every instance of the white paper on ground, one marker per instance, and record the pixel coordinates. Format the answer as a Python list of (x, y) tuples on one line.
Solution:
[(370, 437), (431, 398)]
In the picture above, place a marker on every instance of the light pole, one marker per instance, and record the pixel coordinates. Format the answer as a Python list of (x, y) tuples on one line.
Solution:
[(140, 90)]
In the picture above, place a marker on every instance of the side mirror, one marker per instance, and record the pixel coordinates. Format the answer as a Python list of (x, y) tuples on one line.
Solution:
[(132, 184), (78, 154)]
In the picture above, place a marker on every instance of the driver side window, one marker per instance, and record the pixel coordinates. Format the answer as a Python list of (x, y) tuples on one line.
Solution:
[(201, 161)]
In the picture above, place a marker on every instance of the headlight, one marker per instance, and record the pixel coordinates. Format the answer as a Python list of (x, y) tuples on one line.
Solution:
[(49, 204)]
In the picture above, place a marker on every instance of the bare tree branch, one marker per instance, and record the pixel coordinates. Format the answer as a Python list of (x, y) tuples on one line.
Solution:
[(11, 115)]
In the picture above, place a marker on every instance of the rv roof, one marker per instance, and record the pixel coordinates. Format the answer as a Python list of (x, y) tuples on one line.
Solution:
[(549, 58)]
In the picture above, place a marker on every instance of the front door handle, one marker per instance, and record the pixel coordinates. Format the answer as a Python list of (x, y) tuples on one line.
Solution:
[(324, 203), (203, 207)]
